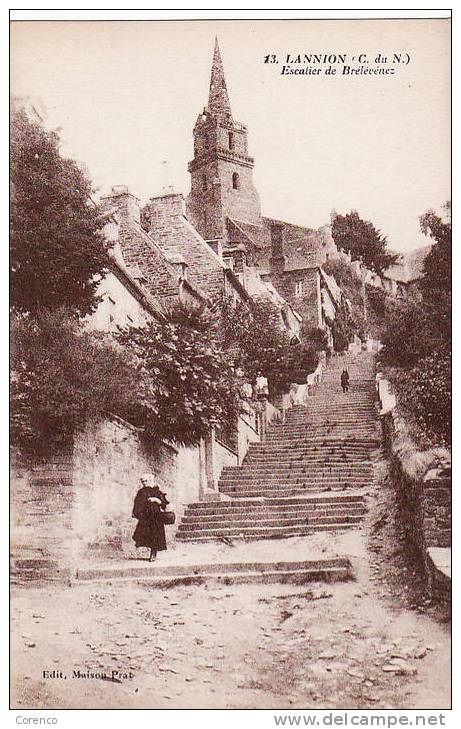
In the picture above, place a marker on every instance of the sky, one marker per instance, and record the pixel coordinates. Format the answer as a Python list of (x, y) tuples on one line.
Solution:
[(126, 95)]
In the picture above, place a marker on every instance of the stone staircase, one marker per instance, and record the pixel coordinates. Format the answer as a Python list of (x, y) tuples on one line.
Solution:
[(308, 475)]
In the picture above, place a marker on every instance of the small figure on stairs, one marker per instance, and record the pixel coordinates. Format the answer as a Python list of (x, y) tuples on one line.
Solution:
[(345, 380)]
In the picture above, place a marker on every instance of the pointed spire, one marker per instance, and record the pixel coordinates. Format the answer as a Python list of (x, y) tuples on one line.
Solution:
[(218, 99)]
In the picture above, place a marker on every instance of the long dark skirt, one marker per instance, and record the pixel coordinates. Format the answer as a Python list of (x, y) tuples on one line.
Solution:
[(150, 531)]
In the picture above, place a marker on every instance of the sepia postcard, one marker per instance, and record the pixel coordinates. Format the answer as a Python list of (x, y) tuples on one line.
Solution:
[(230, 394)]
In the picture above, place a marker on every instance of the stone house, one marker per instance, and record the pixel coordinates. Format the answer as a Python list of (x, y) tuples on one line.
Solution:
[(402, 278)]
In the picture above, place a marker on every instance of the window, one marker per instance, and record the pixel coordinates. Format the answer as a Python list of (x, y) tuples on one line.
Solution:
[(204, 182), (231, 140), (236, 181), (298, 288)]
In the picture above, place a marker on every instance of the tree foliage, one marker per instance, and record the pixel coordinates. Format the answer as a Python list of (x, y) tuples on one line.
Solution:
[(436, 281), (170, 379), (417, 341), (255, 341), (412, 333), (187, 383), (363, 240), (57, 249), (63, 375)]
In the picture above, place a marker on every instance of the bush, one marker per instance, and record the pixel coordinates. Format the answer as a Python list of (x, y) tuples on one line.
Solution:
[(187, 382), (315, 337), (413, 331), (170, 379), (255, 341), (61, 376), (424, 394)]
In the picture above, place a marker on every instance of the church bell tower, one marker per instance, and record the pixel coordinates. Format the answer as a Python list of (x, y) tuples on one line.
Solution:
[(221, 171)]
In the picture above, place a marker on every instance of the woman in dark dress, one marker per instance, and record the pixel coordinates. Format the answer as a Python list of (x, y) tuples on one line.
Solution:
[(148, 506), (345, 380)]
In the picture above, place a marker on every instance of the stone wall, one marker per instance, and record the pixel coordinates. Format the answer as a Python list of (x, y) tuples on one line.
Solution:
[(437, 509), (247, 433), (422, 483), (41, 519), (307, 302), (79, 505)]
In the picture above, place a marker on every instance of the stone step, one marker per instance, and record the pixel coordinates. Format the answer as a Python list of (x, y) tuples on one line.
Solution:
[(263, 532), (279, 479), (297, 434), (313, 460), (315, 500), (299, 466), (65, 476), (281, 521), (289, 491), (280, 441), (192, 517), (309, 427), (240, 506), (343, 405), (339, 413), (322, 570), (315, 422), (307, 475), (286, 489), (329, 448)]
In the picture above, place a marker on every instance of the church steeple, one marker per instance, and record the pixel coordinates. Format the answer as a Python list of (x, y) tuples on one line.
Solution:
[(218, 98), (221, 170)]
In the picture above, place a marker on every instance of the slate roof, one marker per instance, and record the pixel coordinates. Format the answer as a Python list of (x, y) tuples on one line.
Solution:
[(304, 247), (146, 263), (409, 266)]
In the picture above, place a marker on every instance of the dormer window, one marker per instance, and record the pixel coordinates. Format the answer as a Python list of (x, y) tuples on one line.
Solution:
[(236, 181)]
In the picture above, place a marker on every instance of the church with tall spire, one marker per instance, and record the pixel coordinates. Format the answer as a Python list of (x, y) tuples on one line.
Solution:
[(224, 207), (217, 241), (222, 169)]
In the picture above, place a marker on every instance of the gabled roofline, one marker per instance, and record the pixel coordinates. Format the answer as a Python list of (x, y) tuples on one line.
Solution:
[(138, 291)]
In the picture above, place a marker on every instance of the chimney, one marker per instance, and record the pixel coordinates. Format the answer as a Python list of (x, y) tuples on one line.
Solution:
[(122, 202), (166, 208), (277, 260)]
